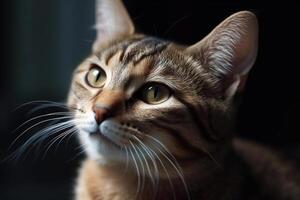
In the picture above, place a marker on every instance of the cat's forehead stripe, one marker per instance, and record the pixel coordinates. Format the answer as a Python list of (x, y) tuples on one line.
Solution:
[(134, 50), (110, 52), (164, 62), (140, 49)]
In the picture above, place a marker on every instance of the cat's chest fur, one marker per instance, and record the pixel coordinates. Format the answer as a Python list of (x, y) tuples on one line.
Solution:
[(244, 176)]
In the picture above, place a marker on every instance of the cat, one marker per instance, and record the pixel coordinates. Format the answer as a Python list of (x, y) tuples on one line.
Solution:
[(156, 118)]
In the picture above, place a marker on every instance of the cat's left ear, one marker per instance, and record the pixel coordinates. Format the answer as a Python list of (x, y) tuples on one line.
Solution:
[(112, 22), (229, 51)]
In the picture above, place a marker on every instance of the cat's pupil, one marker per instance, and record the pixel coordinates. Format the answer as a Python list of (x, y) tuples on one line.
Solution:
[(155, 94), (97, 75), (155, 91)]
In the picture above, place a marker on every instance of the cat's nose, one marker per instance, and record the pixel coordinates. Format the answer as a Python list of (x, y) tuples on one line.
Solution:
[(108, 103), (101, 112)]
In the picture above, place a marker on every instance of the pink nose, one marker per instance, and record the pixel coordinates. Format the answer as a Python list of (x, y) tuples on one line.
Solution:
[(101, 113)]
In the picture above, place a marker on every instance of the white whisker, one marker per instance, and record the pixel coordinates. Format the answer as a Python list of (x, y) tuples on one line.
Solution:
[(81, 147), (41, 135), (154, 181), (41, 122), (176, 165), (62, 135), (45, 115), (137, 171), (142, 165), (126, 150), (166, 171), (42, 102)]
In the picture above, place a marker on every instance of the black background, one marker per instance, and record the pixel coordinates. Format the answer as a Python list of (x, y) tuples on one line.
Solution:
[(43, 41)]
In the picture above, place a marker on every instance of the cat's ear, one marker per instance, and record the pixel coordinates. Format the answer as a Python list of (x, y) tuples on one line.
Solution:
[(229, 51), (112, 22)]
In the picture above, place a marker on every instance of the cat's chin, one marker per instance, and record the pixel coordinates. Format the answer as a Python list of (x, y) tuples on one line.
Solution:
[(100, 148), (104, 140)]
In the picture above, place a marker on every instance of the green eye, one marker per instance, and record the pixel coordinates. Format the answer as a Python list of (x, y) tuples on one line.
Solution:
[(96, 77), (155, 93)]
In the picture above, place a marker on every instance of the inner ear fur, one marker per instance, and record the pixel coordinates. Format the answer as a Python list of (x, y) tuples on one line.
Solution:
[(229, 51), (112, 22)]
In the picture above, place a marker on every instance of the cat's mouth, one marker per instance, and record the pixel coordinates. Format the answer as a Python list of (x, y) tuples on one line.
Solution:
[(117, 134), (104, 139)]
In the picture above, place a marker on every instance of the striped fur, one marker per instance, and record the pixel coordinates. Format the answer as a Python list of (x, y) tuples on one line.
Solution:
[(183, 124), (185, 141)]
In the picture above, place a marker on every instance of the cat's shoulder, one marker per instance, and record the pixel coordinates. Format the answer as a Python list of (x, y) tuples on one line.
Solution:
[(277, 177)]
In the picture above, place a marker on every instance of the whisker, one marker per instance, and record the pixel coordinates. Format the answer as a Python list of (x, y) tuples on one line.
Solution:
[(31, 127), (165, 149), (38, 137), (81, 147), (156, 172), (142, 165), (62, 135), (40, 107), (156, 180), (40, 116), (69, 135), (180, 173), (137, 171), (174, 24), (146, 162), (16, 154), (176, 165), (41, 101), (126, 150), (41, 136), (57, 128), (211, 157), (166, 171)]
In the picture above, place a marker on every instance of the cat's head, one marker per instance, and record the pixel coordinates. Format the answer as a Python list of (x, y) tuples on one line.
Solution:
[(145, 98)]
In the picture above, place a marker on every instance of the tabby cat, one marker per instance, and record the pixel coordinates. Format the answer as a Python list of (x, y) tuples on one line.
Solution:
[(156, 118)]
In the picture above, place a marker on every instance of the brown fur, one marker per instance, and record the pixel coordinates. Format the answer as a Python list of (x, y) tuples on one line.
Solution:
[(270, 177), (195, 124)]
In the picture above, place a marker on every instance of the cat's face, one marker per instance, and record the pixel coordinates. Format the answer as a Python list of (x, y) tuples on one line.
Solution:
[(140, 92), (141, 98)]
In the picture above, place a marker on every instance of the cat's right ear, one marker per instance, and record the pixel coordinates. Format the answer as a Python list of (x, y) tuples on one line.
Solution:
[(112, 22)]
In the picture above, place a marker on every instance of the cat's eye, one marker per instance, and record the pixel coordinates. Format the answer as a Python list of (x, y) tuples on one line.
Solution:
[(155, 93), (96, 77)]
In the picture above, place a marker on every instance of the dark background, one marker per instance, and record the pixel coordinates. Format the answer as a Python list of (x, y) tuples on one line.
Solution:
[(43, 41)]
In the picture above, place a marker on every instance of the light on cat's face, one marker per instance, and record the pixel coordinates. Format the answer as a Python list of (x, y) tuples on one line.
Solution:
[(148, 97), (121, 108), (145, 99)]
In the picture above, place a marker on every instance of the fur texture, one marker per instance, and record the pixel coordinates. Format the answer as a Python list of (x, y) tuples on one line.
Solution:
[(157, 118)]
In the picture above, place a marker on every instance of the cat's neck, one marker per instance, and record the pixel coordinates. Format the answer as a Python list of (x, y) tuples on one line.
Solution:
[(111, 182)]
